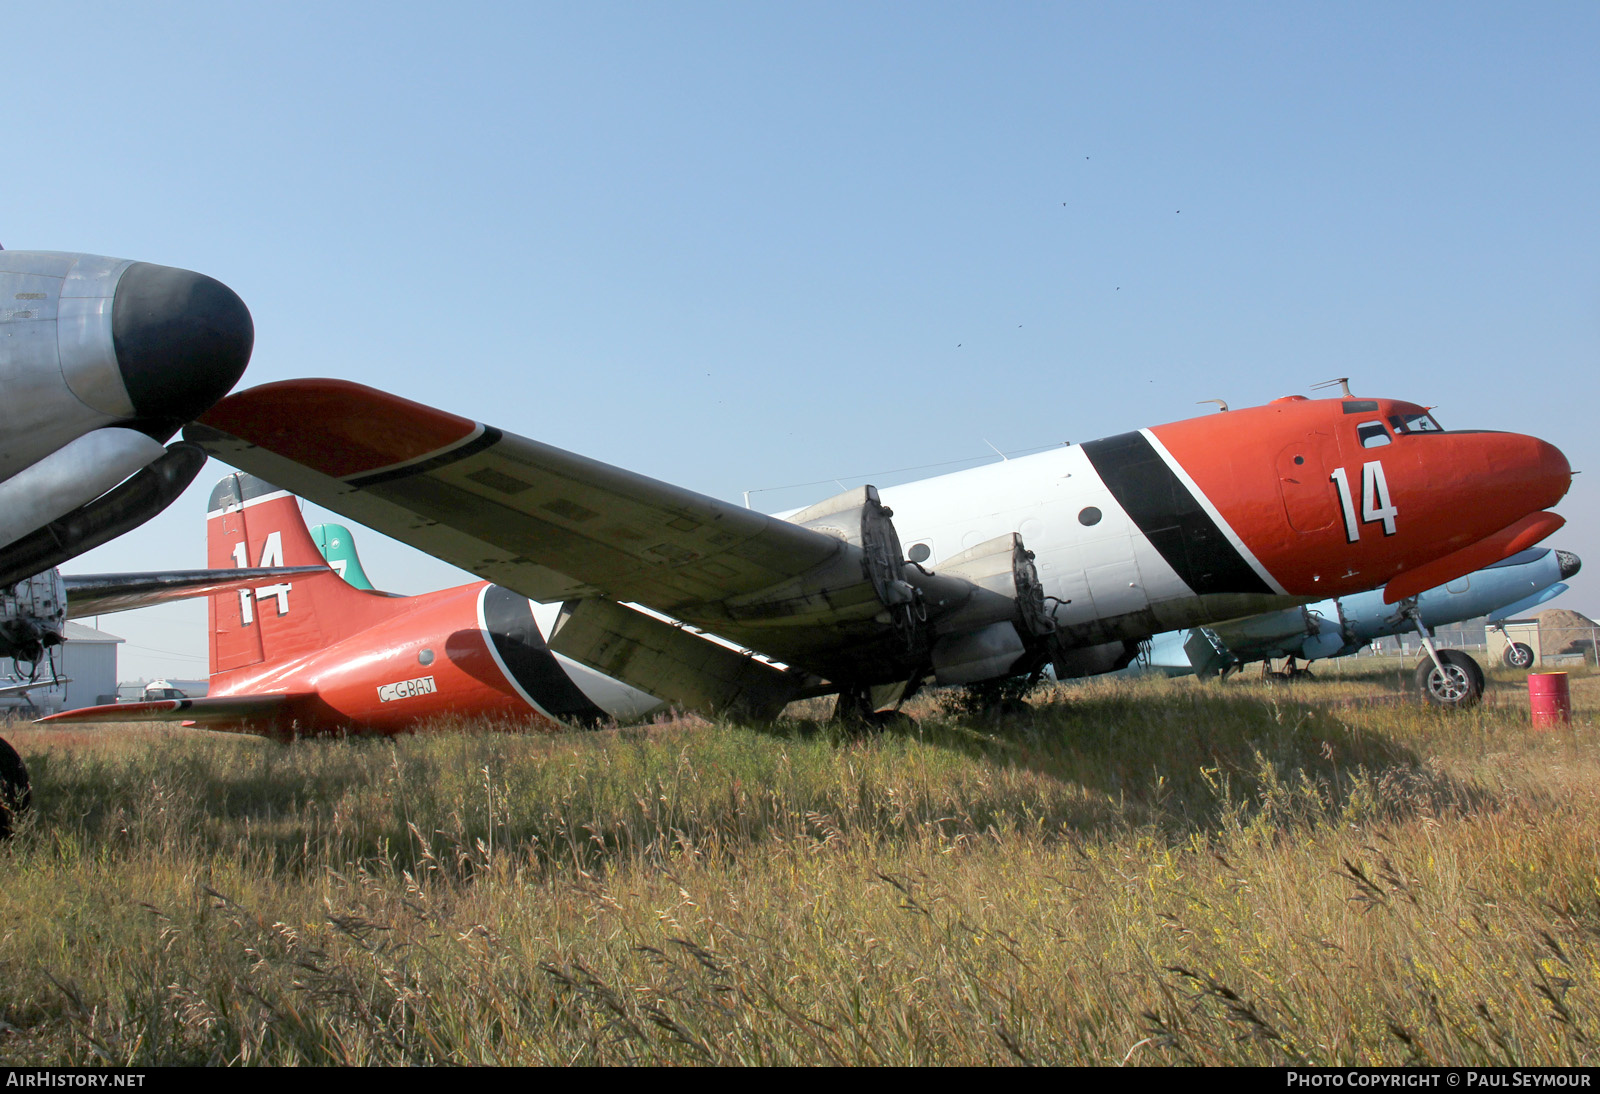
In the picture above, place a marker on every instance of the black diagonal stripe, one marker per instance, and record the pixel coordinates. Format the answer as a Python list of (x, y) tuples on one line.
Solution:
[(1170, 516), (509, 619), (489, 437)]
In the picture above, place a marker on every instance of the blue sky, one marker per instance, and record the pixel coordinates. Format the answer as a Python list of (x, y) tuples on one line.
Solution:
[(739, 246)]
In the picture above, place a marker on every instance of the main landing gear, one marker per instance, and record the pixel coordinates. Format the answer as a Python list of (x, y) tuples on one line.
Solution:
[(1290, 672), (855, 708)]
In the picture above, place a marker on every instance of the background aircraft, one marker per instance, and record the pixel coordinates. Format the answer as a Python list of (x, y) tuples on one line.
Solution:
[(317, 654), (1070, 556), (102, 360), (1341, 626)]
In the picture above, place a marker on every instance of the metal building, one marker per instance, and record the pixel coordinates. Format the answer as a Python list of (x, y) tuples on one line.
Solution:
[(87, 663)]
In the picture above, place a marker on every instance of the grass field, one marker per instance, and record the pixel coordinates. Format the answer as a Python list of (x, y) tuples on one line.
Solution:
[(1145, 872)]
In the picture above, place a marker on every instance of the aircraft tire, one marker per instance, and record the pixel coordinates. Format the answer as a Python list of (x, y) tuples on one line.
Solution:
[(1458, 687), (15, 791), (1518, 655)]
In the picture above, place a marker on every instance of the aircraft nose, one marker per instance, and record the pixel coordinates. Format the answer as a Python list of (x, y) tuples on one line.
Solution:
[(1550, 471), (1569, 563), (182, 340), (1526, 473)]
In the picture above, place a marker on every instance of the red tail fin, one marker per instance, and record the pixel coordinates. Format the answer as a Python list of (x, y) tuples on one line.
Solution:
[(251, 523)]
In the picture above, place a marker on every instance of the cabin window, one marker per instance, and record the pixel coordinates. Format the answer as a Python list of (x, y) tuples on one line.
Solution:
[(1089, 517), (920, 552), (1372, 434), (425, 657)]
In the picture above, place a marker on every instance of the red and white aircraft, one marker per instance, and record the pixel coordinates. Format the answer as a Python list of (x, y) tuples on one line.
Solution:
[(307, 652), (1068, 557)]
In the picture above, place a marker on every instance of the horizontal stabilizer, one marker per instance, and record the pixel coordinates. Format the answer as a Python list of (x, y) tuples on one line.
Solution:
[(218, 713), (8, 691), (101, 594)]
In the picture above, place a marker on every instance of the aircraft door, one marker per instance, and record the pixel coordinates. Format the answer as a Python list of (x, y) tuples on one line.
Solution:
[(1310, 501)]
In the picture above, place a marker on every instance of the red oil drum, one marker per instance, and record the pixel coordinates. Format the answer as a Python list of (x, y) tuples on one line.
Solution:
[(1549, 699)]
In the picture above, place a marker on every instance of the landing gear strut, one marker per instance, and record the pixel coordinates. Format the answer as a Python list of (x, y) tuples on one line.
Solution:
[(1448, 678), (855, 708)]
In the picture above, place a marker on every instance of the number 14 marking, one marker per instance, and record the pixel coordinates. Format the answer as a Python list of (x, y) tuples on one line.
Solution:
[(1375, 503)]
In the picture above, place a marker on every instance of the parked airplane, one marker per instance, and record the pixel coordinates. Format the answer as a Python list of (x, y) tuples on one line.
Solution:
[(102, 360), (1342, 625), (317, 654), (1067, 557)]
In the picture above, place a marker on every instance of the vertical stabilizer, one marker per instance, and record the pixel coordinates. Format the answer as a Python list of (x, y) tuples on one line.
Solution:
[(338, 546), (252, 523)]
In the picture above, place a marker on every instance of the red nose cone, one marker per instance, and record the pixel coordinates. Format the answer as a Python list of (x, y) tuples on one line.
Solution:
[(1517, 474), (1553, 474)]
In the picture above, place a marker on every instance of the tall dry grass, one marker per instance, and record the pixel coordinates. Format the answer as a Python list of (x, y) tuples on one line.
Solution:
[(1142, 872)]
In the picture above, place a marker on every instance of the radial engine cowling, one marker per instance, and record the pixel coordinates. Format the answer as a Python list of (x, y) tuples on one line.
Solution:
[(1004, 566), (980, 615), (861, 519)]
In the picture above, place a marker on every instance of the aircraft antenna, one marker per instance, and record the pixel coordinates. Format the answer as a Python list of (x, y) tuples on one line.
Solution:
[(1343, 382), (997, 452), (1219, 402)]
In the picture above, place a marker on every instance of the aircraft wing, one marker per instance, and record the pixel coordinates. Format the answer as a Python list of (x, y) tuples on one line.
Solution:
[(551, 524), (101, 594), (221, 712), (556, 526)]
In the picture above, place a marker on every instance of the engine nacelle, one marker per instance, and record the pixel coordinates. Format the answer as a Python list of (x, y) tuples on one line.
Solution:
[(33, 616), (860, 518), (126, 507), (1003, 566), (1285, 629), (1094, 660), (976, 655), (71, 477)]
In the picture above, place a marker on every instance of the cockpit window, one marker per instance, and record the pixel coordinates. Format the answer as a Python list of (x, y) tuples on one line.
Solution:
[(1372, 434), (1414, 423)]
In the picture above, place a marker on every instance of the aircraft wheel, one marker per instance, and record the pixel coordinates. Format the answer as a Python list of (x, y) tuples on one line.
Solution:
[(1458, 687), (1518, 655), (15, 791)]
